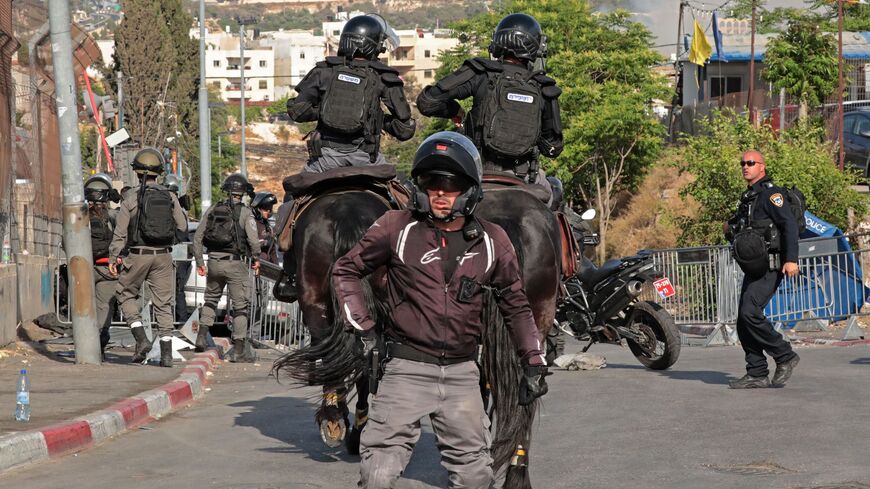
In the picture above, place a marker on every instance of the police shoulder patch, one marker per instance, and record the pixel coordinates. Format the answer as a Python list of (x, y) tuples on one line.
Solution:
[(777, 200)]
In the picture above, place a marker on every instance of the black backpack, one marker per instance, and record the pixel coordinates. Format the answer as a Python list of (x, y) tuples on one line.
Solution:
[(156, 217), (511, 118), (350, 100), (222, 229), (101, 233), (797, 202)]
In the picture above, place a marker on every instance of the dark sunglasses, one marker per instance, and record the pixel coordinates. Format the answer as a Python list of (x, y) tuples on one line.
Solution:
[(749, 163), (442, 182)]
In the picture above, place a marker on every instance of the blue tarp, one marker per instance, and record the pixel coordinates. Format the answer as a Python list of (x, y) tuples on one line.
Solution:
[(831, 285)]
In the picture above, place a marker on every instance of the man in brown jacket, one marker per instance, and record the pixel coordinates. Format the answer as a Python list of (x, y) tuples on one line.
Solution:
[(438, 258)]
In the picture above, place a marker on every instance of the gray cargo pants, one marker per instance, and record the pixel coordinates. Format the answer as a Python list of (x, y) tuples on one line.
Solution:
[(334, 158), (158, 271), (104, 292), (234, 275), (450, 396)]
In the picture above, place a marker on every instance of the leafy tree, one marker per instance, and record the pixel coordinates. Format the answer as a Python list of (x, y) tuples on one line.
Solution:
[(803, 61), (799, 157)]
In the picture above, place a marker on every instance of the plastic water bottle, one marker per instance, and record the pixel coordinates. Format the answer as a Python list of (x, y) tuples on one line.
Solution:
[(22, 398)]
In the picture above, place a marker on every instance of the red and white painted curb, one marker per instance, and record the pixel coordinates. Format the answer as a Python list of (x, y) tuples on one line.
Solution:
[(17, 449)]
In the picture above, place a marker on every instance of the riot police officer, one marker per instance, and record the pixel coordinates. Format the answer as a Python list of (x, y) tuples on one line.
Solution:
[(262, 204), (432, 348), (515, 111), (230, 233), (764, 238), (145, 232), (344, 95), (181, 252), (98, 194)]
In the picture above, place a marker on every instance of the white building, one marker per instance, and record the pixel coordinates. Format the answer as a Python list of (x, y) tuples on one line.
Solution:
[(223, 68), (296, 53)]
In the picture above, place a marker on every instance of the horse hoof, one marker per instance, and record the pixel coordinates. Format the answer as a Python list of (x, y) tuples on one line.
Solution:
[(332, 432)]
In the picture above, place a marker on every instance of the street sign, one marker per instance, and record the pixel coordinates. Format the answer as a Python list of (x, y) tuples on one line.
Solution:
[(117, 137), (664, 288)]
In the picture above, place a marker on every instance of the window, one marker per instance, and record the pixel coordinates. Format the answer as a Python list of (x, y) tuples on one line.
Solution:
[(262, 63), (427, 74), (264, 84), (862, 125), (723, 85), (302, 55), (217, 63), (849, 124), (427, 53), (336, 33)]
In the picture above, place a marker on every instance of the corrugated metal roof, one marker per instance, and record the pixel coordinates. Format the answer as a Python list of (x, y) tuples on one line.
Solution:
[(736, 47)]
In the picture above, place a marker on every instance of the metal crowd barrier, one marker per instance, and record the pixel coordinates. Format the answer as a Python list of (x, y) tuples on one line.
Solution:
[(270, 322), (831, 286)]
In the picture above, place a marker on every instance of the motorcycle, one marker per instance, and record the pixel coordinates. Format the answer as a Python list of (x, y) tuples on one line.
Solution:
[(602, 305)]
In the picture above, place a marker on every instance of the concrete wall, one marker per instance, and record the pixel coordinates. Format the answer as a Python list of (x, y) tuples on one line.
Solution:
[(8, 303), (35, 286)]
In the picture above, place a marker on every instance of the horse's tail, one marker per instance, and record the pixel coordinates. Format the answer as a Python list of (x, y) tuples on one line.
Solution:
[(330, 361), (502, 370)]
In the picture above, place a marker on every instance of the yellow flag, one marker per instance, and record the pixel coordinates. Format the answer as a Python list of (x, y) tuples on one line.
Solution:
[(700, 50)]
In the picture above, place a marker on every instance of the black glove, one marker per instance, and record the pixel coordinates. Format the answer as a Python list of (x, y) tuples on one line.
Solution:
[(532, 383), (364, 342)]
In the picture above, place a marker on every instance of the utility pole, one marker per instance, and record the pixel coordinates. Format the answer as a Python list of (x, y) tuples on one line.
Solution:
[(244, 165), (76, 225), (841, 154), (120, 76), (204, 132), (749, 103)]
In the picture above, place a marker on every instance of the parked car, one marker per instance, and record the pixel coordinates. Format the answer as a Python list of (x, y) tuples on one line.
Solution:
[(856, 136)]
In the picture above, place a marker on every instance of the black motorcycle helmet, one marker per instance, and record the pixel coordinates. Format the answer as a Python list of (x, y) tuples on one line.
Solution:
[(517, 35), (98, 188), (264, 200), (449, 155), (363, 36), (149, 161), (236, 184)]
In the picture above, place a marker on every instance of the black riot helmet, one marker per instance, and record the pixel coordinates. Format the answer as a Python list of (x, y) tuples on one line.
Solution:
[(517, 35), (451, 156), (558, 192), (264, 200), (98, 188), (237, 184), (363, 36), (148, 161)]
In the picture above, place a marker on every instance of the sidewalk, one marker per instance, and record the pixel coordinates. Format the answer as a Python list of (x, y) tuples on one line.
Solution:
[(77, 406)]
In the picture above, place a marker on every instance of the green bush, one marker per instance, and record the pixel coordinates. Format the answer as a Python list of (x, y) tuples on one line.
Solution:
[(799, 157)]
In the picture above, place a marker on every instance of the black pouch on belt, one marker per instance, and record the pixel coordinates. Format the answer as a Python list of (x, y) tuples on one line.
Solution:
[(751, 252), (314, 144)]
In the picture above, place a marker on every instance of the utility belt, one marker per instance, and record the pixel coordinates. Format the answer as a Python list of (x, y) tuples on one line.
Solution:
[(315, 144), (226, 258), (525, 167), (405, 352), (148, 251)]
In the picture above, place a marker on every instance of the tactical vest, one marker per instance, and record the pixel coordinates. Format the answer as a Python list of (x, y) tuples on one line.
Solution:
[(510, 122), (101, 232), (222, 231), (351, 107)]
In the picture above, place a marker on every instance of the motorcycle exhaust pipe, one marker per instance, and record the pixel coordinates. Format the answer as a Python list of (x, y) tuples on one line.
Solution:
[(634, 288)]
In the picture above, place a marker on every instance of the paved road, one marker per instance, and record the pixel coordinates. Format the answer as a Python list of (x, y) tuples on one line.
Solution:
[(619, 427)]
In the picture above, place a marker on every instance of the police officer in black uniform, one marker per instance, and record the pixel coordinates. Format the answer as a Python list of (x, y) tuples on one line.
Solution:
[(98, 194), (764, 238), (344, 95), (262, 205), (515, 113)]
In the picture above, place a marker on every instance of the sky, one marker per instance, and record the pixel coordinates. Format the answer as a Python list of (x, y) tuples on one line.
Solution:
[(660, 16)]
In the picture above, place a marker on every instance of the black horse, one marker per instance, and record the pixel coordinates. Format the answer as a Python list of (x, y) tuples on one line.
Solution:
[(328, 229), (332, 228)]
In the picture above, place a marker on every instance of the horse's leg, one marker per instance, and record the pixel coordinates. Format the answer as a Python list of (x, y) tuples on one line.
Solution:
[(361, 416)]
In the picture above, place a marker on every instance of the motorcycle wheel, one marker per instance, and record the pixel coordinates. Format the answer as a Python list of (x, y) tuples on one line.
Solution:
[(661, 346)]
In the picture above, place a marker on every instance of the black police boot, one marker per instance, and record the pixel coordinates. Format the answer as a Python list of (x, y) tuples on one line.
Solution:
[(166, 353), (243, 351), (143, 346), (201, 343), (749, 382), (285, 289), (784, 370)]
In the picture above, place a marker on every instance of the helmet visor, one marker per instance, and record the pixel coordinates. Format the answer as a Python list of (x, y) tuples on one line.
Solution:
[(391, 39)]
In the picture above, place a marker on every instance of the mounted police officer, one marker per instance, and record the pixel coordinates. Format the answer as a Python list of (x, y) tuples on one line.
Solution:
[(515, 113), (344, 95), (98, 194), (764, 238), (230, 233), (439, 257), (145, 232), (262, 205)]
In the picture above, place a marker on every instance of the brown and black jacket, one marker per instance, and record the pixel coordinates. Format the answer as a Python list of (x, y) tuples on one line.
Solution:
[(424, 308)]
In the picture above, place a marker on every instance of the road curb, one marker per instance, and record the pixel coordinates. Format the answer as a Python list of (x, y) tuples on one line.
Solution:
[(27, 447)]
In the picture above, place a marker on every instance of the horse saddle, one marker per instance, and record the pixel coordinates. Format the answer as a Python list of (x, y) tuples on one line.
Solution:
[(306, 188), (495, 181)]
